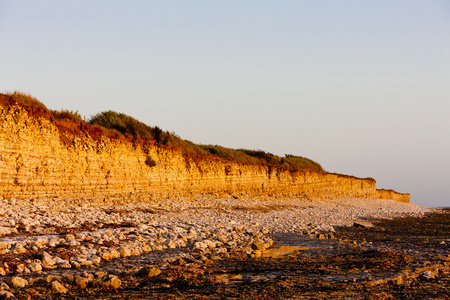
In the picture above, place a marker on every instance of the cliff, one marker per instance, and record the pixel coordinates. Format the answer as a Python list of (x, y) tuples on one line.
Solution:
[(38, 160)]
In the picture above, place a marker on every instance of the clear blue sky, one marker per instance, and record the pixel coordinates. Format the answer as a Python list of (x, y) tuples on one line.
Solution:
[(362, 87)]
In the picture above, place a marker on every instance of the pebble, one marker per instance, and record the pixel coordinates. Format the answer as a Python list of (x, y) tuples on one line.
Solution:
[(205, 229)]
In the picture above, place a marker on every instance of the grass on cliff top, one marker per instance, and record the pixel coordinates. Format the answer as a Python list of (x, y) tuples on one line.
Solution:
[(142, 133), (115, 125), (65, 121), (129, 126), (256, 157)]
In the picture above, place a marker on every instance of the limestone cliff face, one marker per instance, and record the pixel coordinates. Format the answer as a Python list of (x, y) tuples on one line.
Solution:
[(34, 162)]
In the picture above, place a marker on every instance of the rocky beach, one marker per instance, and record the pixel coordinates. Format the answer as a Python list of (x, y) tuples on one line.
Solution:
[(224, 150), (205, 247), (111, 208)]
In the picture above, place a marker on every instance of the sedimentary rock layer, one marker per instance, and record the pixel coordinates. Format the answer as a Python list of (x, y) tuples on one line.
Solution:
[(35, 162)]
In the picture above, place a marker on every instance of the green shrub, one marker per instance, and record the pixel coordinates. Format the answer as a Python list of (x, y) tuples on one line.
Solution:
[(255, 157), (141, 132), (27, 100), (120, 126), (68, 115), (294, 162), (124, 124), (265, 157)]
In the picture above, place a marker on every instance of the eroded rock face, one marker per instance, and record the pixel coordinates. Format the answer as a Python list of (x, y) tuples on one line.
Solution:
[(35, 163)]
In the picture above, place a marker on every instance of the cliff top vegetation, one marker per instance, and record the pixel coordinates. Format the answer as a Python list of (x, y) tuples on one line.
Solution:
[(119, 126)]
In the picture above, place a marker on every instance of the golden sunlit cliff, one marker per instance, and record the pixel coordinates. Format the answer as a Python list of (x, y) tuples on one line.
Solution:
[(42, 158)]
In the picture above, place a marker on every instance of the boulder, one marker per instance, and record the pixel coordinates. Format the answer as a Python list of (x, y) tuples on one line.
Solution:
[(257, 245), (19, 249), (58, 288), (148, 272), (47, 259), (124, 252), (35, 266), (4, 230), (146, 248), (18, 282), (70, 237), (4, 287), (95, 260), (6, 295), (81, 282), (51, 278), (100, 274), (105, 255), (114, 253), (135, 251), (111, 282), (68, 277), (5, 245)]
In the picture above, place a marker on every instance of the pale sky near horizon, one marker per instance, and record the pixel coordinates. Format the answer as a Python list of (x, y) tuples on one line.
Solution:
[(362, 87)]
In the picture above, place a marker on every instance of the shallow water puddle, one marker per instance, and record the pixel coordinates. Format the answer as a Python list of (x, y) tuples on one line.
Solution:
[(231, 278), (283, 250), (285, 245), (241, 278), (272, 252)]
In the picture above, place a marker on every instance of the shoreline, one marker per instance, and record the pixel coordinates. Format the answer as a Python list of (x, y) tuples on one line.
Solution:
[(76, 241)]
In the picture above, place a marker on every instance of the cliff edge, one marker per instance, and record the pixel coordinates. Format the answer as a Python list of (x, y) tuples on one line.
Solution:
[(41, 158)]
